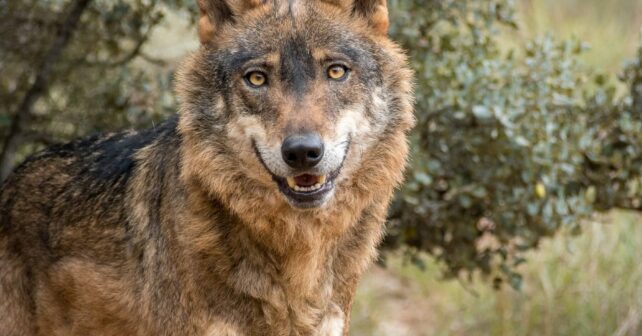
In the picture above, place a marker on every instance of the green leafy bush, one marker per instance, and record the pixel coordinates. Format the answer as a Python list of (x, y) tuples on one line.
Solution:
[(52, 89), (510, 145)]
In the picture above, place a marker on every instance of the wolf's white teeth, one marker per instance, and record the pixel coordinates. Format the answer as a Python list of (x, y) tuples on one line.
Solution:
[(307, 189), (292, 183), (321, 181)]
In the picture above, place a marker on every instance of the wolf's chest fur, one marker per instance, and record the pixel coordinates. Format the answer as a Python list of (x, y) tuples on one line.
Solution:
[(292, 279)]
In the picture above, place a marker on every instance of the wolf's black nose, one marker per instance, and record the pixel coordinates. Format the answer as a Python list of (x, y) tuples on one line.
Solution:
[(302, 151)]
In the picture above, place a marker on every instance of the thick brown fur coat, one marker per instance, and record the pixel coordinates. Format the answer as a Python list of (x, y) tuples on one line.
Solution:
[(181, 229)]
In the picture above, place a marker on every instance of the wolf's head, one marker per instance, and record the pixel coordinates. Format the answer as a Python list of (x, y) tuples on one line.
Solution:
[(288, 100)]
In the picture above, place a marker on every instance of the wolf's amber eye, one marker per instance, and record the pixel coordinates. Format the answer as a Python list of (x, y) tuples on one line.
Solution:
[(337, 72), (256, 78)]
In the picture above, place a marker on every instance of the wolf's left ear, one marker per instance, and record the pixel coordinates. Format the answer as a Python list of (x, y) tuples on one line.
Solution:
[(215, 13), (375, 11)]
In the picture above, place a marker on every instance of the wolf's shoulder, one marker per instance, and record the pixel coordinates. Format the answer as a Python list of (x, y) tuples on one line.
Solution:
[(102, 158)]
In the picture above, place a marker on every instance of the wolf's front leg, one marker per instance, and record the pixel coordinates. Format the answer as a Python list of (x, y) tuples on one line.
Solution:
[(333, 323)]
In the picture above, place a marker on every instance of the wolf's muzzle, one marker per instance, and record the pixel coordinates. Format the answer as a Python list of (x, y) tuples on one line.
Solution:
[(306, 186)]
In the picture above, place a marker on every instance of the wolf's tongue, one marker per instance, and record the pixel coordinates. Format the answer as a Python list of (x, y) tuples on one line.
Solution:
[(306, 180)]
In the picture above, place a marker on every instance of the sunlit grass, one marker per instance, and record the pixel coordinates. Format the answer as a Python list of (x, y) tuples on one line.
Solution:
[(611, 28), (585, 285)]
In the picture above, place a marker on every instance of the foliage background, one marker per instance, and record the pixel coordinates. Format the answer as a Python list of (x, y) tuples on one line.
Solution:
[(530, 126), (514, 141)]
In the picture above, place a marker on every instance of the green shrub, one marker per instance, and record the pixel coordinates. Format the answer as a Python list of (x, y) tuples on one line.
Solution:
[(510, 146)]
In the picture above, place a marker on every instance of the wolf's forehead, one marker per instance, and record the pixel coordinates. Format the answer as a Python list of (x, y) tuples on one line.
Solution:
[(283, 43), (297, 64), (273, 28)]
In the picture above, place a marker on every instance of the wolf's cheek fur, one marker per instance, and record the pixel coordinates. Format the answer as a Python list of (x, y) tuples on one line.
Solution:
[(243, 132), (364, 124)]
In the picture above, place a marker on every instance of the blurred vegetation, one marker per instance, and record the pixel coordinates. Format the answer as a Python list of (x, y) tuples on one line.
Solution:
[(68, 69), (512, 144), (517, 138), (611, 27), (584, 285)]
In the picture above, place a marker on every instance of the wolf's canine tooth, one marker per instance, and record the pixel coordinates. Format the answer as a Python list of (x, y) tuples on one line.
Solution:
[(291, 182)]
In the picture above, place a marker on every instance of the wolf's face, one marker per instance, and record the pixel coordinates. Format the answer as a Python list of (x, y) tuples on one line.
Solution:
[(301, 88)]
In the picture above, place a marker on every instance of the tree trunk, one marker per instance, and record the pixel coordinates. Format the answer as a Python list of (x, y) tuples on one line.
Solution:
[(21, 117)]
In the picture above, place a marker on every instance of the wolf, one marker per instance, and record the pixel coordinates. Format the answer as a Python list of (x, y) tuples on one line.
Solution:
[(253, 211)]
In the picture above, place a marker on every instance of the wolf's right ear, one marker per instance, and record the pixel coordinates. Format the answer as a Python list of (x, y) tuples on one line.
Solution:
[(214, 13)]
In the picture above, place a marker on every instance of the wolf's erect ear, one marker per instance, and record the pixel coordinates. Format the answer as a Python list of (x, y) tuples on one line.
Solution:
[(375, 11), (216, 12)]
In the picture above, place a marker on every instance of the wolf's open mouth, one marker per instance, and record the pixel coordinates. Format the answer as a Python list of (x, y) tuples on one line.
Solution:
[(307, 191), (307, 182)]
